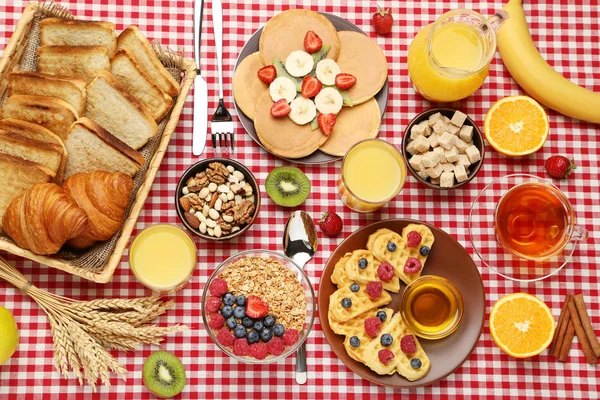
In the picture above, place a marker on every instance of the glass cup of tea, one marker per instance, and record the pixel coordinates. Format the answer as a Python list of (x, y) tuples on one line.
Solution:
[(524, 228), (372, 173)]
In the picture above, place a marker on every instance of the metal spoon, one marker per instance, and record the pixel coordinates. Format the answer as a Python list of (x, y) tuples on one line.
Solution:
[(300, 244)]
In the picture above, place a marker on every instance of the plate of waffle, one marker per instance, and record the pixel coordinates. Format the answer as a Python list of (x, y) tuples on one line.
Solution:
[(360, 306)]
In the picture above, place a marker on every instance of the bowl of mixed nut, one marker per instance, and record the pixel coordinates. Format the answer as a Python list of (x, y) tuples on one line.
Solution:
[(217, 199), (258, 306)]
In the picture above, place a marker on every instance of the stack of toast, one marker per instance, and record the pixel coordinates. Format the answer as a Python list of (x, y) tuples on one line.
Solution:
[(95, 101), (353, 304)]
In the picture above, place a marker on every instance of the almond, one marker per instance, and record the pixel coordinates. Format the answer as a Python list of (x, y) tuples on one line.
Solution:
[(185, 203), (192, 220)]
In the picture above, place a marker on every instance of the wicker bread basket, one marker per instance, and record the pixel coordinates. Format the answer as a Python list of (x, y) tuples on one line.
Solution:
[(97, 264)]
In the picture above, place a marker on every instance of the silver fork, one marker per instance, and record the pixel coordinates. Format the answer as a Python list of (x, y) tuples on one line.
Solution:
[(221, 125)]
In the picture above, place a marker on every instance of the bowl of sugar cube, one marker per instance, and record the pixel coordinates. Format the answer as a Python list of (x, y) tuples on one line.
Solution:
[(443, 148)]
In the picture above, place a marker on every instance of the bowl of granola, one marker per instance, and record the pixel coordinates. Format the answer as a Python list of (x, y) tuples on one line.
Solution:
[(443, 148), (258, 306), (217, 199)]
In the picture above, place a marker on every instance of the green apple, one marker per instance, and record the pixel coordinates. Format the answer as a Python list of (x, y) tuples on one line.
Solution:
[(9, 335)]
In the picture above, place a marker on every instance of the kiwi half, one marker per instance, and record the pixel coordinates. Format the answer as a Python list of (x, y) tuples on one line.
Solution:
[(163, 374), (287, 186)]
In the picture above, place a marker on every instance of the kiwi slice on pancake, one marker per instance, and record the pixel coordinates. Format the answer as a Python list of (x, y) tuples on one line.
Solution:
[(287, 186), (282, 72), (163, 374)]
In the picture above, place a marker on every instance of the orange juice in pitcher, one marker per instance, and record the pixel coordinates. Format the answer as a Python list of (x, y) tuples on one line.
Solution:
[(449, 59)]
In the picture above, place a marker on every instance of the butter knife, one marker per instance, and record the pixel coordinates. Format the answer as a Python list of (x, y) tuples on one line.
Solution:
[(200, 88)]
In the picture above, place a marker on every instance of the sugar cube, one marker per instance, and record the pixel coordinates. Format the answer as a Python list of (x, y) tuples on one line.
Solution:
[(458, 119), (439, 127), (417, 130), (434, 140), (460, 173), (451, 155), (433, 118), (411, 147), (453, 129), (473, 153), (427, 129), (421, 144), (466, 133), (448, 167), (435, 172), (446, 140), (416, 162), (430, 159), (447, 179), (435, 181), (446, 120), (463, 160), (422, 174), (461, 146), (440, 153)]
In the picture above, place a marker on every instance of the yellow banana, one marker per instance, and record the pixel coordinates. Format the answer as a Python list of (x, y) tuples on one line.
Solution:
[(536, 76)]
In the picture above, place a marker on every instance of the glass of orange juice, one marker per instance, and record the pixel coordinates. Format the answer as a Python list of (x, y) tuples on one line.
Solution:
[(373, 172), (449, 59), (163, 257)]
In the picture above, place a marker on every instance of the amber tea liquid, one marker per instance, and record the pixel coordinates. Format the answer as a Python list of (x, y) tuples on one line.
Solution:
[(533, 220), (431, 307)]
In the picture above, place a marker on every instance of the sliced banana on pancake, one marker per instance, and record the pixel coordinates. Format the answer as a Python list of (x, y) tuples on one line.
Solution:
[(303, 110), (281, 136), (285, 33), (352, 125), (363, 58), (326, 71), (247, 88), (299, 63), (329, 101), (282, 88)]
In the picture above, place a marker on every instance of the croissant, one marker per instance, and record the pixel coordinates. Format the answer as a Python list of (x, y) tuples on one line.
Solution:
[(43, 218), (103, 196)]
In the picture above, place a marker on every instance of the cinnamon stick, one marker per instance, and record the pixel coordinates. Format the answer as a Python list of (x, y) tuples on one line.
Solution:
[(561, 328), (590, 356), (567, 340), (587, 325)]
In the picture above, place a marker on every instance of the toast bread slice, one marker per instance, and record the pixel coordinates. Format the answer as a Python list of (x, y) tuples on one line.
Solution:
[(39, 133), (47, 154), (137, 44), (50, 112), (92, 148), (83, 62), (71, 90), (77, 32), (112, 106), (17, 176), (127, 70)]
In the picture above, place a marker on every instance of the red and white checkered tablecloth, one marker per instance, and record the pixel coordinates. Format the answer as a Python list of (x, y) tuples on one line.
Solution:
[(565, 31)]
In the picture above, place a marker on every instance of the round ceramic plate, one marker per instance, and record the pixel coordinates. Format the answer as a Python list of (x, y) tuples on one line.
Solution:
[(318, 157), (447, 259)]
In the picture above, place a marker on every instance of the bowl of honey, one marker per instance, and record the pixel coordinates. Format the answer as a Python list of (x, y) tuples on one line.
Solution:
[(432, 307)]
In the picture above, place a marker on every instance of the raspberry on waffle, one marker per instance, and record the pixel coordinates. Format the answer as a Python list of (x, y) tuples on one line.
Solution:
[(356, 272), (358, 330)]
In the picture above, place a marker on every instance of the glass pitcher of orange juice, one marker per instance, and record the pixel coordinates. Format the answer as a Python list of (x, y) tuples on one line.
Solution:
[(449, 59)]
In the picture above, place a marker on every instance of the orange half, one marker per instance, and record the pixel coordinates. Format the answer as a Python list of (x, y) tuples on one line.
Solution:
[(516, 126), (521, 325)]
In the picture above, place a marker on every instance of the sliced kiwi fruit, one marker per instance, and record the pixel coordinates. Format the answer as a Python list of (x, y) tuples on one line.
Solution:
[(282, 72), (314, 124), (319, 55), (287, 186), (163, 374), (348, 102)]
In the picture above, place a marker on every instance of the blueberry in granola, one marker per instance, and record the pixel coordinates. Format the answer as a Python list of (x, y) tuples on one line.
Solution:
[(259, 325), (239, 331), (269, 321), (231, 322), (240, 300), (278, 330), (266, 335), (229, 299), (239, 312), (253, 337), (247, 322), (227, 311)]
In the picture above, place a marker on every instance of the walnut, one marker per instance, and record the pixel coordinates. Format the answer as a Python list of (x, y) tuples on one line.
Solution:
[(195, 201), (243, 212), (227, 206), (198, 182), (225, 227), (217, 173)]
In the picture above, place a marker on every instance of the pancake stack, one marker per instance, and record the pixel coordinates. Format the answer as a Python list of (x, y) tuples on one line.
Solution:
[(354, 52)]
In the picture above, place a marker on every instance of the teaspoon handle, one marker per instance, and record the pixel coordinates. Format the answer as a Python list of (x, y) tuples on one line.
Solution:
[(301, 364)]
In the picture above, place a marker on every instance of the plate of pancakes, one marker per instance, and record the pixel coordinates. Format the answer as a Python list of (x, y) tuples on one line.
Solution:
[(355, 53), (342, 278)]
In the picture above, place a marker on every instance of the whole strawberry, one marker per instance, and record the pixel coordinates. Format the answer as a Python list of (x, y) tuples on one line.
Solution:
[(383, 21), (559, 167), (330, 224)]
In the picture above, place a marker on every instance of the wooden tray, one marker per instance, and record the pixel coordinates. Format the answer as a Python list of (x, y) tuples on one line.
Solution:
[(9, 62)]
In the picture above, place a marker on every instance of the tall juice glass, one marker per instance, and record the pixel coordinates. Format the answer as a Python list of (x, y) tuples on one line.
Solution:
[(373, 172), (449, 59)]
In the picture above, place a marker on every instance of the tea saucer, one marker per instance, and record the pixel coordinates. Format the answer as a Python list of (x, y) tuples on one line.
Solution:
[(482, 232)]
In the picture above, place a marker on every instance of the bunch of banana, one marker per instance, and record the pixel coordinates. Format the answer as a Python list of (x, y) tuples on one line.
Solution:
[(536, 76)]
